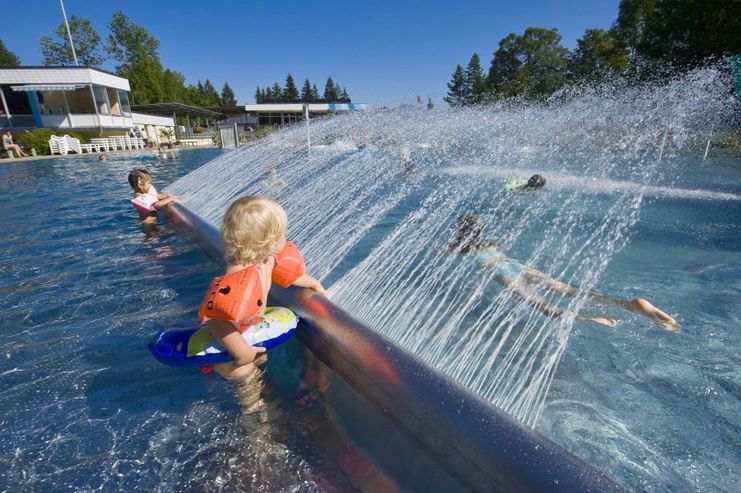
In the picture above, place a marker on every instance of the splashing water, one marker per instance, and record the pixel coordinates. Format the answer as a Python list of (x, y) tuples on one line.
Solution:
[(374, 204)]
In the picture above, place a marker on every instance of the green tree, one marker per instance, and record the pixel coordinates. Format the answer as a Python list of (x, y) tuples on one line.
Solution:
[(87, 44), (210, 96), (344, 95), (290, 91), (146, 80), (129, 43), (306, 93), (457, 89), (531, 65), (227, 96), (258, 95), (597, 55), (474, 82), (173, 86), (7, 57), (430, 104), (277, 91), (681, 33), (330, 90), (314, 92)]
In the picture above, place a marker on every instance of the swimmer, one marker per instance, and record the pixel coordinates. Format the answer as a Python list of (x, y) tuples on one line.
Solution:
[(102, 157), (519, 185), (146, 198), (254, 235), (523, 279), (272, 180)]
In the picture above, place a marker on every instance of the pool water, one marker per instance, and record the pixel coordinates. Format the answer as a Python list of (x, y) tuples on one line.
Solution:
[(83, 405)]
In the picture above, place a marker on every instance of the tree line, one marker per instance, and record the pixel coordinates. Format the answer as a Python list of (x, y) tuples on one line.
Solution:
[(137, 53), (648, 37), (309, 92)]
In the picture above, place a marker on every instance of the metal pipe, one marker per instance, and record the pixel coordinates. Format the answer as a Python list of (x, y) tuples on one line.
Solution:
[(475, 442)]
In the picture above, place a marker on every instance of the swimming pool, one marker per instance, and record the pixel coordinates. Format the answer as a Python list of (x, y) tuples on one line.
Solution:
[(84, 406)]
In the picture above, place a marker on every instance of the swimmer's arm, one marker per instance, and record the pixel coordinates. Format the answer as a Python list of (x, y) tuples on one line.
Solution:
[(227, 335), (306, 281), (172, 199)]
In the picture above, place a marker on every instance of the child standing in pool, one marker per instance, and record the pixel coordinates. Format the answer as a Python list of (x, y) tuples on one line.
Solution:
[(257, 253), (510, 272), (146, 199)]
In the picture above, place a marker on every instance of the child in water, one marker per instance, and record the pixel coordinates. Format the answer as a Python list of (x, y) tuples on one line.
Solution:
[(254, 233), (146, 199), (509, 272)]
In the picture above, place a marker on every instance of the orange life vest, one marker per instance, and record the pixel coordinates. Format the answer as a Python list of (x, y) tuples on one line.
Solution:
[(289, 265), (236, 297)]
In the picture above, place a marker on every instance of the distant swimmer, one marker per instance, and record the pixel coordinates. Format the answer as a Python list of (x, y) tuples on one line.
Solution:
[(272, 180), (525, 280), (102, 157), (520, 185)]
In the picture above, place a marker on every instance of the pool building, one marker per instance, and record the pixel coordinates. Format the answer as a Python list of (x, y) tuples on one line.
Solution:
[(71, 99)]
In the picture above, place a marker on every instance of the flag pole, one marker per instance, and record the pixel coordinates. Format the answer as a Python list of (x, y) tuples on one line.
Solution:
[(69, 34)]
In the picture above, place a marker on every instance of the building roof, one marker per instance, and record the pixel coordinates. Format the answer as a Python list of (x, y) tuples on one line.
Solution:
[(299, 107), (49, 76), (178, 109)]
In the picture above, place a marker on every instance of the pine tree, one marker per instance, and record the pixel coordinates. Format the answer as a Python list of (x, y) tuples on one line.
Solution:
[(430, 104), (258, 95), (330, 91), (344, 95), (290, 92), (474, 82), (306, 91), (314, 92), (277, 91), (227, 96), (210, 96), (457, 89)]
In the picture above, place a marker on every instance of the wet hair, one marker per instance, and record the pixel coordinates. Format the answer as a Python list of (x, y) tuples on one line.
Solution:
[(251, 225), (469, 232), (139, 177), (535, 181)]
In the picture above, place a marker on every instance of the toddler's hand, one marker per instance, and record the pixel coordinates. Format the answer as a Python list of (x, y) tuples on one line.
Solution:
[(320, 289)]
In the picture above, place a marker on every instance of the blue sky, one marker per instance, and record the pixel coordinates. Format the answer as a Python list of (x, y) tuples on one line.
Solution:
[(384, 52)]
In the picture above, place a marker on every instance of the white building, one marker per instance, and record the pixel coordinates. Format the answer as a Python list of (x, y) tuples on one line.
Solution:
[(286, 113), (68, 98)]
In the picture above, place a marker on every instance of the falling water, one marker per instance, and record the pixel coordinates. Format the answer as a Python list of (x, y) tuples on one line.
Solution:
[(373, 205)]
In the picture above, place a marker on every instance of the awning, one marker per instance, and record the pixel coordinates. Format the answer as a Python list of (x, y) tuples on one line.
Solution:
[(47, 87), (177, 109)]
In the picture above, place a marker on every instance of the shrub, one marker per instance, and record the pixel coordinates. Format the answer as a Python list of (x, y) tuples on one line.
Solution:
[(198, 130), (38, 139)]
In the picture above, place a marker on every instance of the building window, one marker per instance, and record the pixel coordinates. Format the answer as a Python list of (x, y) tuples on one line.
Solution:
[(115, 107), (100, 100), (51, 102), (123, 96), (81, 101), (17, 101)]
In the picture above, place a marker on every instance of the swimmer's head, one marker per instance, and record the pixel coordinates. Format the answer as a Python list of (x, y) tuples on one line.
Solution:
[(535, 181), (102, 157), (254, 228), (469, 232), (140, 179)]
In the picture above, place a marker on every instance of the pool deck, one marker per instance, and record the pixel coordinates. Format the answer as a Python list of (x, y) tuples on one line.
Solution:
[(112, 153)]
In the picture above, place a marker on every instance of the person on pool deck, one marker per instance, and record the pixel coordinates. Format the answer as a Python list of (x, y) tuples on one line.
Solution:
[(254, 236), (9, 145), (146, 198), (509, 272)]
